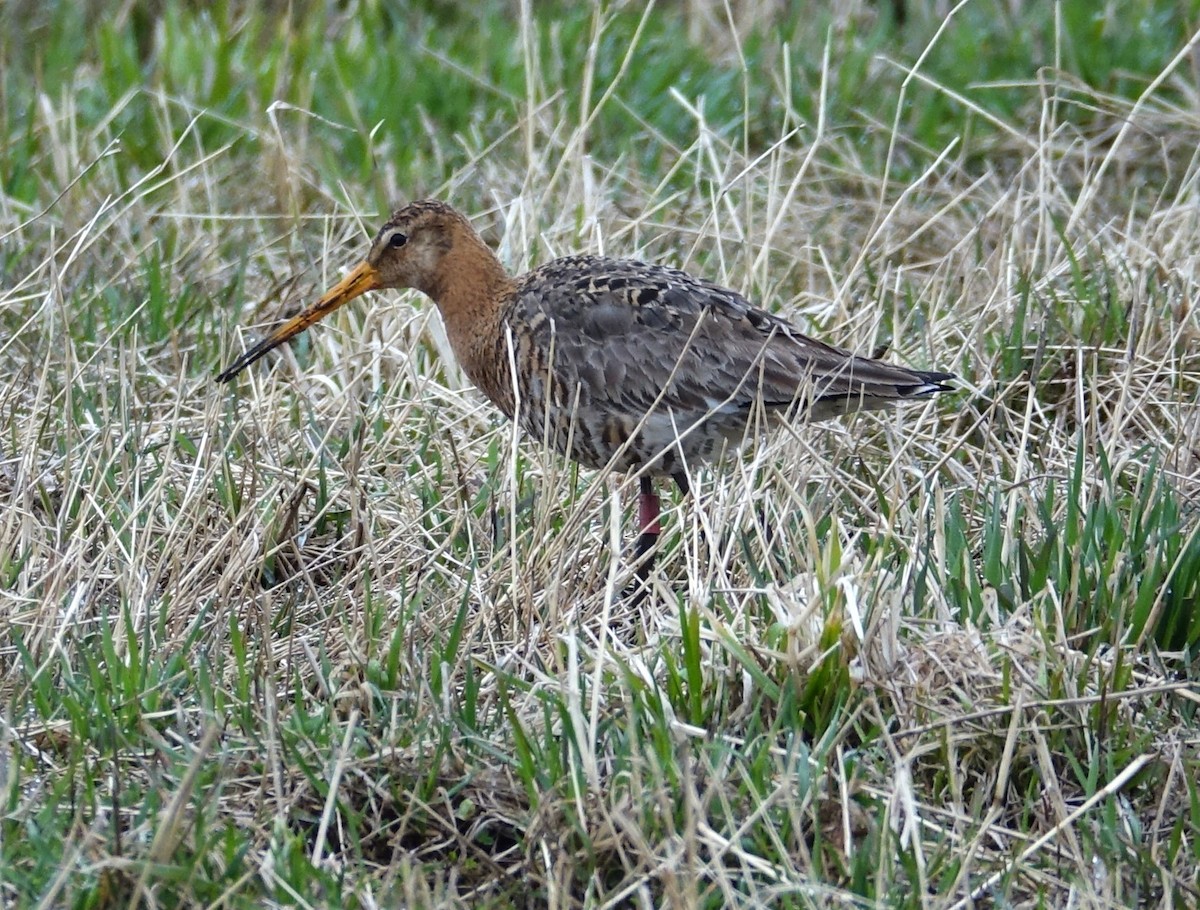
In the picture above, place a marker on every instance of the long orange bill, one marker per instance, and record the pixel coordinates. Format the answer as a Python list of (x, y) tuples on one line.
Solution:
[(364, 278)]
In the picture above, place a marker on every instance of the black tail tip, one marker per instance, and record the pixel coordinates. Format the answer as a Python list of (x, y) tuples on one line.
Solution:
[(934, 382)]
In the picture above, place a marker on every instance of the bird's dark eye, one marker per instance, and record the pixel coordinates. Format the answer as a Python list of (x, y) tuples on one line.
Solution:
[(397, 240)]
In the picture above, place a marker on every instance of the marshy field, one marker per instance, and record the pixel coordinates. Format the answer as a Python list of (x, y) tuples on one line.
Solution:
[(335, 634)]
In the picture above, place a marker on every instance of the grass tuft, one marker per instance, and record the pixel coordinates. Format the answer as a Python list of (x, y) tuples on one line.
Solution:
[(334, 636)]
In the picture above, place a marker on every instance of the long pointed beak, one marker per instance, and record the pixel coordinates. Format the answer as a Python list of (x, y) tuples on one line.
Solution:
[(365, 277)]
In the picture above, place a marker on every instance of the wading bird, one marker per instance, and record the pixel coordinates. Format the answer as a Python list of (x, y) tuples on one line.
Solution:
[(615, 363)]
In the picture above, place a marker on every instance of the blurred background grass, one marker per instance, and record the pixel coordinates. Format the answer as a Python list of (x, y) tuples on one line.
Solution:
[(326, 641)]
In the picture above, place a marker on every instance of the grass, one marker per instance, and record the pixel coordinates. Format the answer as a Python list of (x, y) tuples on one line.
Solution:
[(335, 636)]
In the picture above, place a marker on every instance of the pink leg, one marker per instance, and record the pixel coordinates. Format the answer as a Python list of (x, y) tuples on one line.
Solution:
[(649, 528), (648, 512)]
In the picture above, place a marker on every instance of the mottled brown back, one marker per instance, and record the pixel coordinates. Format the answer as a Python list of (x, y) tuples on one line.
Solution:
[(670, 367)]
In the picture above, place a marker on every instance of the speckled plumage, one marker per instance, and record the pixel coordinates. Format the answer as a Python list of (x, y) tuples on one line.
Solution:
[(613, 362), (666, 369)]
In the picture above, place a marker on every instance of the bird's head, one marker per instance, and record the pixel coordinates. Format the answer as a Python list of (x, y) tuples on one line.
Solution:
[(408, 252)]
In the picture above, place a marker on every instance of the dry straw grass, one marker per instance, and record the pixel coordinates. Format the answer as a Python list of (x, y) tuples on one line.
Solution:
[(261, 546)]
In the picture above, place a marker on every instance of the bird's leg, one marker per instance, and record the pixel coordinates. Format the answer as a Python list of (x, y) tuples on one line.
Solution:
[(649, 528), (766, 528), (681, 481)]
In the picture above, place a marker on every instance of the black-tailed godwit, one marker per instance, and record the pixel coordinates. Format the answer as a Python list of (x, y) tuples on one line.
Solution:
[(615, 363)]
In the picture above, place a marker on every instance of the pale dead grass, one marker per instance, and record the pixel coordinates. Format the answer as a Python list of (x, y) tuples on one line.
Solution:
[(107, 518)]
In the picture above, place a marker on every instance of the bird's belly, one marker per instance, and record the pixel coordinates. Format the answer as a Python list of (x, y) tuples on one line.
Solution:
[(664, 442)]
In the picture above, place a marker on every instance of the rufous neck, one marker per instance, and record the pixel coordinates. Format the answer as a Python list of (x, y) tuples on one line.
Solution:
[(470, 289)]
